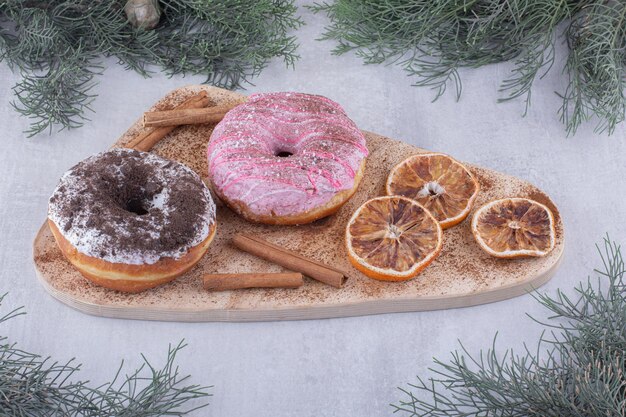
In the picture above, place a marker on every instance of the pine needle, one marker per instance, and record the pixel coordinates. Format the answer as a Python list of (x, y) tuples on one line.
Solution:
[(432, 40), (576, 369), (58, 45), (33, 385)]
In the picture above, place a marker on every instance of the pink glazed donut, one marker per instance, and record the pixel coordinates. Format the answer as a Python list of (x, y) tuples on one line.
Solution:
[(286, 158)]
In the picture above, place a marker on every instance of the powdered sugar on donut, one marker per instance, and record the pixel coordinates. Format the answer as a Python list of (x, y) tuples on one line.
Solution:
[(324, 151), (131, 207)]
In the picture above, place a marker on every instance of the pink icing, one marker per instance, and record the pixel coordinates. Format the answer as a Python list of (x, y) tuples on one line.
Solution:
[(327, 150)]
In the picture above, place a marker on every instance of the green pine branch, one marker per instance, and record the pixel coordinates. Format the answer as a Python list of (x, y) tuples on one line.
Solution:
[(57, 46), (596, 67), (432, 40), (576, 369), (37, 386)]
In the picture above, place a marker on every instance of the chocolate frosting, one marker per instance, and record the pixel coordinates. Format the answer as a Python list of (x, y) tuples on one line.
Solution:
[(132, 207)]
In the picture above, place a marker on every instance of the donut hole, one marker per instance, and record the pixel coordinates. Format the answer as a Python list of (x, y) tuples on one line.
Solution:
[(136, 205), (137, 196), (137, 199), (283, 154)]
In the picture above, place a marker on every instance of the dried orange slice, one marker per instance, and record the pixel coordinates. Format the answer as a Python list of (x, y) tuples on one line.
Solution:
[(392, 238), (514, 227), (440, 183)]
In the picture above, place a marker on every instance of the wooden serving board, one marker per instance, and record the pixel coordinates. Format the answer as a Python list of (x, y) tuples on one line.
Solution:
[(462, 276)]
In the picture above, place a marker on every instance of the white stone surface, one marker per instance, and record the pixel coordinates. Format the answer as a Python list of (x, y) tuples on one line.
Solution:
[(334, 367)]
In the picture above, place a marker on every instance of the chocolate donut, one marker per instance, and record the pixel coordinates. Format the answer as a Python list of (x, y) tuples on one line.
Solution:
[(131, 220), (286, 158)]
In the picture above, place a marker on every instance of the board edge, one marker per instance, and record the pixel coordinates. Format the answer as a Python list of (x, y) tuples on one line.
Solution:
[(356, 309)]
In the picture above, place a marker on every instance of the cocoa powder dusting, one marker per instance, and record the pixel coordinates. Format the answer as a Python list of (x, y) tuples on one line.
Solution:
[(462, 269)]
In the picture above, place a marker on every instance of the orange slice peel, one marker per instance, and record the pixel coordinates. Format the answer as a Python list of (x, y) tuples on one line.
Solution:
[(392, 238), (514, 227), (440, 183)]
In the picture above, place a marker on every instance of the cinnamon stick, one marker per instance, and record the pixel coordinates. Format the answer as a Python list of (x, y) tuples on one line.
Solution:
[(290, 260), (185, 116), (147, 139), (223, 282)]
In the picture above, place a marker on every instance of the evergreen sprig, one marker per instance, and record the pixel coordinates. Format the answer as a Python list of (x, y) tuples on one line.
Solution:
[(432, 40), (596, 66), (57, 46), (36, 386), (579, 370)]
